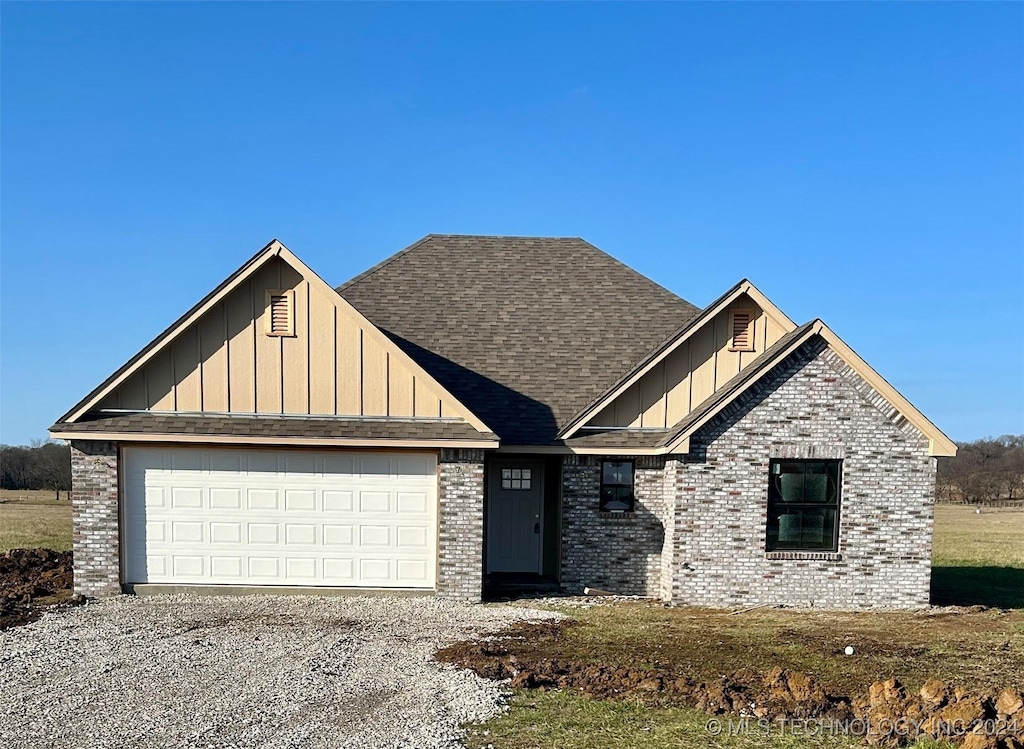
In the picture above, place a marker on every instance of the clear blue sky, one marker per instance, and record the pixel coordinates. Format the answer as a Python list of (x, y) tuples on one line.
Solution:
[(860, 162)]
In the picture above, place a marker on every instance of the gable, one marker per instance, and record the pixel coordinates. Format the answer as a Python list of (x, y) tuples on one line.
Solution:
[(874, 390), (223, 360), (696, 366), (525, 331)]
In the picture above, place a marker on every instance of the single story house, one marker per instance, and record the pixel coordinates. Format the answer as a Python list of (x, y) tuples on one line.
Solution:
[(484, 411)]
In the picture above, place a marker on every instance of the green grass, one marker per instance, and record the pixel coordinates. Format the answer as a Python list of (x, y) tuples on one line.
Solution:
[(978, 559), (538, 720), (34, 519)]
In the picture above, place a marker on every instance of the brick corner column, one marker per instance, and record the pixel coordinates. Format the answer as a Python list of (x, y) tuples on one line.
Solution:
[(461, 525), (94, 518)]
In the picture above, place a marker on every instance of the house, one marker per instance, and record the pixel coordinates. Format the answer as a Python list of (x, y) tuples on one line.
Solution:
[(479, 411)]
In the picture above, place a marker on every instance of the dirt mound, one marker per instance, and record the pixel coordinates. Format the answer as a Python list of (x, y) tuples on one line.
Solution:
[(886, 715), (31, 580)]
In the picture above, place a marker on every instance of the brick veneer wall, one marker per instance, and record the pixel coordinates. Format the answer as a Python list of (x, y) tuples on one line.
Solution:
[(460, 538), (622, 554), (94, 518), (811, 405)]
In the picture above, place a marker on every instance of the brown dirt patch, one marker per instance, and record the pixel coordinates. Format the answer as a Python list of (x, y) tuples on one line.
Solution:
[(33, 581), (536, 656)]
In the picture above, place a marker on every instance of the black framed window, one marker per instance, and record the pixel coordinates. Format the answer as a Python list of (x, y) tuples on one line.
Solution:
[(617, 486), (803, 505)]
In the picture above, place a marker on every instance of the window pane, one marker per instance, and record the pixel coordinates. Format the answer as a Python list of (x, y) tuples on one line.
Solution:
[(517, 484), (617, 472), (506, 484), (788, 482), (506, 473), (526, 483), (515, 473), (803, 528), (526, 473), (815, 487), (616, 499)]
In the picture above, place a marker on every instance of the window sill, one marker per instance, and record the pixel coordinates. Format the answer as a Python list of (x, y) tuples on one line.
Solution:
[(819, 556), (615, 515)]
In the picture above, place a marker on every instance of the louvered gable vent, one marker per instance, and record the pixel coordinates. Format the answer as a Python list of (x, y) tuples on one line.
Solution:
[(280, 314), (742, 330)]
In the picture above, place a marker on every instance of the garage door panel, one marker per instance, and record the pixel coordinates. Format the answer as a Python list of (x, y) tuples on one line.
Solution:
[(190, 566), (338, 501), (262, 499), (266, 518), (374, 501), (338, 535), (300, 534), (226, 533), (264, 533), (342, 570), (187, 532), (300, 499), (225, 498), (226, 566), (411, 537)]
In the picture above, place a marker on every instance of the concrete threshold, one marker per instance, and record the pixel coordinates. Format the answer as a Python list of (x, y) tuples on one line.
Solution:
[(157, 589)]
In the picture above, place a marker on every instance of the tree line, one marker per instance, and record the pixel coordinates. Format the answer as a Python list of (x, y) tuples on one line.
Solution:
[(43, 465), (983, 471)]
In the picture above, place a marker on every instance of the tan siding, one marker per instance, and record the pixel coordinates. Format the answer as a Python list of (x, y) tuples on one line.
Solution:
[(677, 382), (187, 378), (427, 403), (606, 418), (775, 331), (652, 398), (334, 364), (214, 355), (268, 348), (691, 373), (239, 308), (111, 401), (759, 348), (375, 376), (323, 376), (295, 350), (350, 366), (727, 363), (702, 359), (133, 393), (399, 388), (160, 383), (627, 407)]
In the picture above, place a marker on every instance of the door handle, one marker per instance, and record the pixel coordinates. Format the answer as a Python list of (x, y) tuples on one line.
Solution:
[(536, 527)]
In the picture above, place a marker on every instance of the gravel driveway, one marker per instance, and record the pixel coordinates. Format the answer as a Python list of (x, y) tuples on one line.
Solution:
[(261, 671)]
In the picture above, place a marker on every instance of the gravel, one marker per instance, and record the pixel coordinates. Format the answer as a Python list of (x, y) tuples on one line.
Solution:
[(258, 671)]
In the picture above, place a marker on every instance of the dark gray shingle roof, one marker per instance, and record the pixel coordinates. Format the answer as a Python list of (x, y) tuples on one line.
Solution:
[(525, 331)]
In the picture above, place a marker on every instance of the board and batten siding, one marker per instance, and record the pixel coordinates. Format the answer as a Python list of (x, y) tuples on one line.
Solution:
[(691, 373), (335, 363)]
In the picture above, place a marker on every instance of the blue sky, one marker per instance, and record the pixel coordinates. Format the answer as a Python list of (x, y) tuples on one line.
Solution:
[(860, 162)]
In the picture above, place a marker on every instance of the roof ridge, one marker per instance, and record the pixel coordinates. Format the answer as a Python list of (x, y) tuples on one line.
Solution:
[(385, 262), (503, 236), (638, 274)]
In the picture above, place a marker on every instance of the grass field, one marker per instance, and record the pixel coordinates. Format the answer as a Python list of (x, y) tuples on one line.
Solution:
[(31, 519), (978, 559)]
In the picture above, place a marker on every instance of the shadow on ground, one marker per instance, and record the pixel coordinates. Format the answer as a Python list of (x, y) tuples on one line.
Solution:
[(1001, 587)]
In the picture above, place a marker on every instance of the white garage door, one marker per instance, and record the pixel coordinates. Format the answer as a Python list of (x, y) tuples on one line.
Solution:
[(279, 517)]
